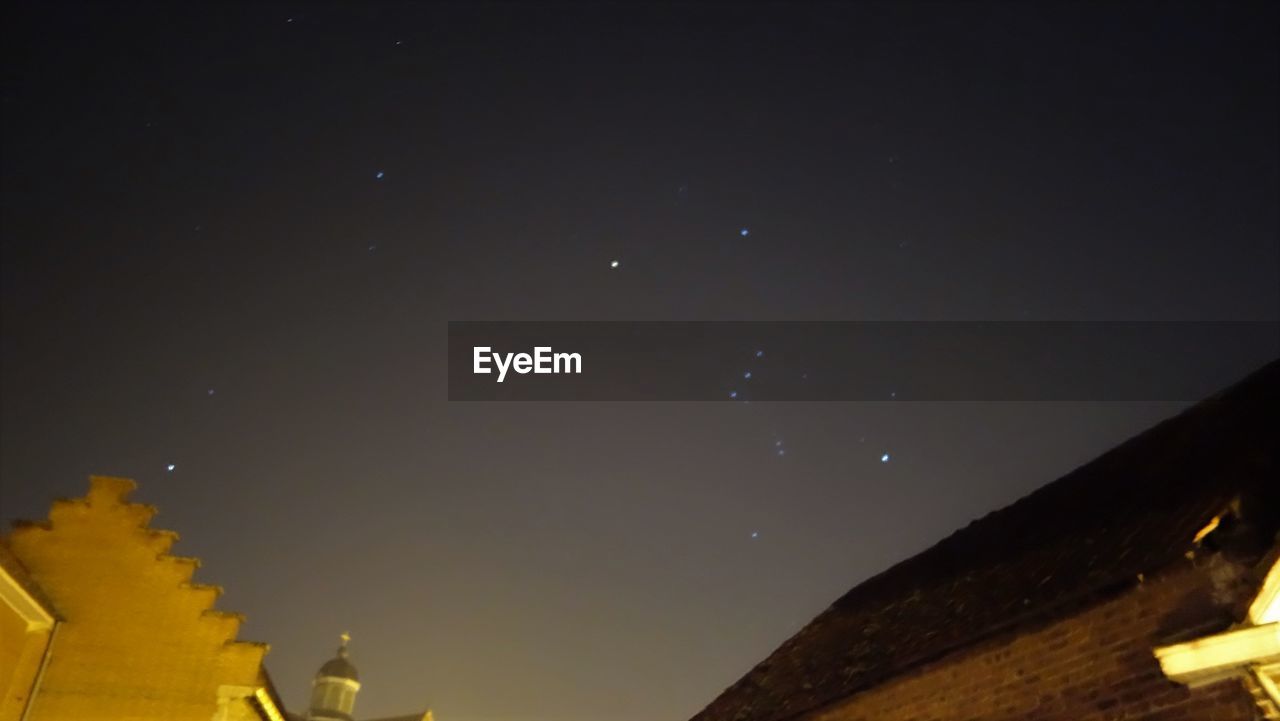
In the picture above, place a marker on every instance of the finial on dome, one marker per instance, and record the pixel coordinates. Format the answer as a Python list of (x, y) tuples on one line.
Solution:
[(333, 692)]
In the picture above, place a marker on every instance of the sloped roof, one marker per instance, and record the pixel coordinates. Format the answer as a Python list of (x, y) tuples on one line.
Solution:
[(1134, 510), (22, 577)]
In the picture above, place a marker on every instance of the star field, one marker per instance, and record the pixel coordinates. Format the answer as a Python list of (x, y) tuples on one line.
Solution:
[(234, 236)]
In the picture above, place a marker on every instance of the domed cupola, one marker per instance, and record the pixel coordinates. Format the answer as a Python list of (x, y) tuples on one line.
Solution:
[(333, 692)]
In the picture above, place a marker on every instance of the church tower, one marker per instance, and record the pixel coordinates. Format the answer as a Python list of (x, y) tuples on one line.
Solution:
[(333, 692)]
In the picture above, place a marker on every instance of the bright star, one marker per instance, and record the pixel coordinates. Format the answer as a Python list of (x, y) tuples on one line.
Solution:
[(747, 375), (733, 394), (744, 232), (884, 458), (614, 264), (171, 466)]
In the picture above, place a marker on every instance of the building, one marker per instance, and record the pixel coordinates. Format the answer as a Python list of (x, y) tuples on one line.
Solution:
[(334, 689), (1142, 585), (99, 622)]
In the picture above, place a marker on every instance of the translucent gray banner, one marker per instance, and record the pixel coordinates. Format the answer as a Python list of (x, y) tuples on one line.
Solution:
[(852, 361)]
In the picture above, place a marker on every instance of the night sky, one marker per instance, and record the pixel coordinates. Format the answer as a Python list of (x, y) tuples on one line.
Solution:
[(233, 237)]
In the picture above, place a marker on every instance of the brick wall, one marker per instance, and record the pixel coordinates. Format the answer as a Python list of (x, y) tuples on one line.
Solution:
[(21, 651), (139, 641), (1095, 665)]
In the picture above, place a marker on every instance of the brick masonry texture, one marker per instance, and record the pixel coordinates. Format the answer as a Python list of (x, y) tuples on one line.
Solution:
[(1050, 607), (1094, 666), (138, 640)]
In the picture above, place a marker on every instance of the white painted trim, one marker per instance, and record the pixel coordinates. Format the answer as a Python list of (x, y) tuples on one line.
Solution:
[(353, 685), (1212, 658), (44, 665), (1266, 607), (24, 604), (268, 705), (228, 693), (1262, 677)]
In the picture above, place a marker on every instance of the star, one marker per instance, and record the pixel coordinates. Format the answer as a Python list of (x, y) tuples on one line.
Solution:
[(884, 458), (782, 451), (755, 534), (747, 375), (210, 391), (759, 354), (733, 394), (171, 466), (614, 264), (379, 175), (744, 232)]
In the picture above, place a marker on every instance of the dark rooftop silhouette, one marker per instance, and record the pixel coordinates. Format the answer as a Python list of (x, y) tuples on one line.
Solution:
[(1134, 510)]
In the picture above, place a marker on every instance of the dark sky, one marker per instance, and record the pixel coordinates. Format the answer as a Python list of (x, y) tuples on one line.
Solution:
[(233, 236)]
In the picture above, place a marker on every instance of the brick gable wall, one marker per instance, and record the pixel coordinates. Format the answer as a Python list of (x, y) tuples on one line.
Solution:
[(1094, 665)]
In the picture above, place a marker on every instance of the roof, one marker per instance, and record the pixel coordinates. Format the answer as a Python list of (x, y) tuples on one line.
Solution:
[(339, 666), (1134, 510), (22, 577)]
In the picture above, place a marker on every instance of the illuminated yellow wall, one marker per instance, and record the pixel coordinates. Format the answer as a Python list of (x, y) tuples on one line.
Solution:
[(138, 641), (20, 652)]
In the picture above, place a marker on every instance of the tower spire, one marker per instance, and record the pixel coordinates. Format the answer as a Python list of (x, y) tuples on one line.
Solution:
[(333, 691)]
